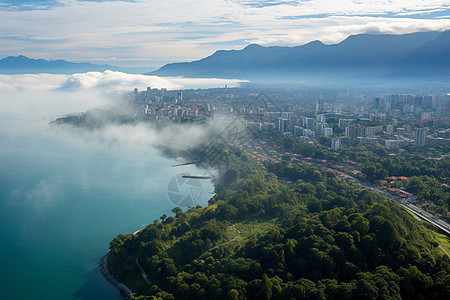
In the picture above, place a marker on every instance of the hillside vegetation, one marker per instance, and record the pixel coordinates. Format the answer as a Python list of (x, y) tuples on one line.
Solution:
[(316, 238)]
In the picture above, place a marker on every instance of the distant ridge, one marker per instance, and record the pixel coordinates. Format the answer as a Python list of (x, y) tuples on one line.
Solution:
[(359, 57), (22, 64)]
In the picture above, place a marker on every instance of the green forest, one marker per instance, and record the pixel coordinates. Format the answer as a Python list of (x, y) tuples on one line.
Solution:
[(318, 237), (428, 173)]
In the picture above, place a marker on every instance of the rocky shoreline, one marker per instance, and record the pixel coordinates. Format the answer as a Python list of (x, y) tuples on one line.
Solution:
[(123, 289)]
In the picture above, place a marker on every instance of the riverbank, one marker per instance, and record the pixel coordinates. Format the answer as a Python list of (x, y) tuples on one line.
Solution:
[(123, 289)]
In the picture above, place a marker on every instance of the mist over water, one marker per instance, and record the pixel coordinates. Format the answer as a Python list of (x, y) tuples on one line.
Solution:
[(65, 194)]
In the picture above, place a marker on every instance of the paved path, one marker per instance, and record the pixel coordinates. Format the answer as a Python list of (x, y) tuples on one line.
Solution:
[(144, 275), (440, 246)]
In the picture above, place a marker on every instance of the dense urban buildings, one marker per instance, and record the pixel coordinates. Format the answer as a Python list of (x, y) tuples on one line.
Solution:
[(393, 120)]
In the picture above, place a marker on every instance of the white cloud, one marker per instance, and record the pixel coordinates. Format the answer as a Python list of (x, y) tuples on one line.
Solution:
[(336, 28), (40, 98), (122, 81), (105, 82), (189, 29), (31, 82)]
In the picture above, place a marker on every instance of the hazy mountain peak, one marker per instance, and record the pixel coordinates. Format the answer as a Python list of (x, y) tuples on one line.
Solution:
[(314, 43), (22, 64), (369, 56), (253, 46)]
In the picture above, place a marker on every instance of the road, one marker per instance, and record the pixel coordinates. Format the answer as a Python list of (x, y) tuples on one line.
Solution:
[(444, 226)]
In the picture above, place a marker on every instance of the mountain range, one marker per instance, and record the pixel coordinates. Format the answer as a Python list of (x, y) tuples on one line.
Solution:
[(363, 58), (22, 64), (419, 56)]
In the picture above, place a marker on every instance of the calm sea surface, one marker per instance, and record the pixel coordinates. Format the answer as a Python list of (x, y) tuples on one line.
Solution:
[(63, 197)]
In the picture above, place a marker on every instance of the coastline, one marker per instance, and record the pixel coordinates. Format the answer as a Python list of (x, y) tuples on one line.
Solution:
[(126, 292), (123, 289)]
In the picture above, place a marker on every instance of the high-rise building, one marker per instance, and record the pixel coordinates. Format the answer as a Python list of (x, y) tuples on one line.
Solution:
[(401, 131), (437, 141), (285, 114), (389, 128), (418, 100), (320, 118), (420, 137), (308, 133), (179, 98), (310, 123), (354, 131), (256, 126), (344, 123), (302, 121), (428, 101), (371, 131), (408, 108), (319, 106), (425, 115), (283, 124), (377, 103), (298, 131), (397, 143), (328, 131), (268, 126), (378, 117), (444, 133), (320, 128), (293, 121), (335, 144)]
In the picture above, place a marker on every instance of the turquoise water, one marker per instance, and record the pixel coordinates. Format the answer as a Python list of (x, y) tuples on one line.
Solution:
[(63, 197)]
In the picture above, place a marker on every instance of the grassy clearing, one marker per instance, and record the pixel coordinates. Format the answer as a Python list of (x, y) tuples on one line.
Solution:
[(443, 240), (254, 227)]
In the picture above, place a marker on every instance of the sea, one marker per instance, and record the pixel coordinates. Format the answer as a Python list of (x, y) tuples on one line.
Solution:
[(64, 196)]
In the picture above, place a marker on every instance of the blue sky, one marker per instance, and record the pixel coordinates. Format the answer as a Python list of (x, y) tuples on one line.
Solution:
[(151, 33)]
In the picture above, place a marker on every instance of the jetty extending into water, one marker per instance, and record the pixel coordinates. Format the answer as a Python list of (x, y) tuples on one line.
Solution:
[(183, 164), (197, 176)]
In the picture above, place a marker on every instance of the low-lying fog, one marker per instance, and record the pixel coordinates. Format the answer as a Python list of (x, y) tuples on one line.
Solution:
[(66, 192), (30, 101)]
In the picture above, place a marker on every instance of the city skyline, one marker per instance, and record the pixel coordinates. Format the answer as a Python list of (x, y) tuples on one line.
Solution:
[(151, 33)]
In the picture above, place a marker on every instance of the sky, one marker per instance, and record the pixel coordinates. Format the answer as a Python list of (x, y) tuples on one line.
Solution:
[(151, 33)]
